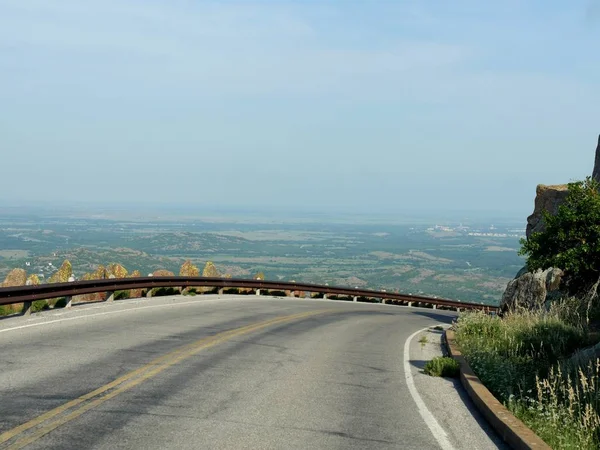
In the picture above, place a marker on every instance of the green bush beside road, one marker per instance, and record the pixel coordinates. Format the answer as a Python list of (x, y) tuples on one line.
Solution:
[(442, 366)]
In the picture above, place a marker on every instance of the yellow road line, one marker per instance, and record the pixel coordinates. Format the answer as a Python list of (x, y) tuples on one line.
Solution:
[(129, 380)]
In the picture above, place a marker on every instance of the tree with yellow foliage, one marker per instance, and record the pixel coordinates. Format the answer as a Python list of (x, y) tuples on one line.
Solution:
[(16, 277), (117, 270), (189, 270), (210, 270), (63, 273)]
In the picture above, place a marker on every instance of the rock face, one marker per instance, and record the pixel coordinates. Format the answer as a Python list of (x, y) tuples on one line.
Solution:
[(529, 291), (596, 172), (551, 197), (547, 198), (16, 277)]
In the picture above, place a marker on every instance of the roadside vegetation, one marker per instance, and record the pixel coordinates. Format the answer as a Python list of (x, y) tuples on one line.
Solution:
[(442, 366), (543, 365), (529, 362)]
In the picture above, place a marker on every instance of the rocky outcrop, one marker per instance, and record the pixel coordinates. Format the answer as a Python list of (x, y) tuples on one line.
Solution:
[(530, 290), (547, 198), (16, 277), (596, 172)]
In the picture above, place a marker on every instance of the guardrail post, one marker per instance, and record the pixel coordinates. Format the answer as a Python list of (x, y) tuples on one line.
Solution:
[(383, 301), (434, 306), (110, 296), (69, 298), (289, 293), (457, 309), (258, 290), (355, 299), (221, 291), (410, 304), (27, 308), (149, 291)]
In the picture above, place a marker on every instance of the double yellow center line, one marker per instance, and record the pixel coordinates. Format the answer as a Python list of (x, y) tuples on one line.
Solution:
[(56, 417)]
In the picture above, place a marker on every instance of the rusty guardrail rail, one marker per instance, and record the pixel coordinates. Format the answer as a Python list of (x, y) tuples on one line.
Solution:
[(28, 294)]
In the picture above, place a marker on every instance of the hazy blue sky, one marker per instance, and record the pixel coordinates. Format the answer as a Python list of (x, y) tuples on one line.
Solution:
[(361, 105)]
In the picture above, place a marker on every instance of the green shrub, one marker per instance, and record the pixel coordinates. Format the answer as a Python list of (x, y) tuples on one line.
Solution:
[(442, 366), (39, 305), (571, 238), (274, 293), (7, 310), (121, 295), (160, 292), (58, 302)]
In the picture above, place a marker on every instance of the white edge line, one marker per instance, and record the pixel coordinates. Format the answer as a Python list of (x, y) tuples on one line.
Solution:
[(123, 310), (133, 302), (135, 308), (438, 432)]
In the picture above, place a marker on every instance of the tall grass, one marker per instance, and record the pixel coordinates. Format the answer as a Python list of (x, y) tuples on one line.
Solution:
[(523, 359)]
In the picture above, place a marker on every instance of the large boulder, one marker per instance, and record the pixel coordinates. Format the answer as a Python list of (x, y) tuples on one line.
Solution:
[(530, 290), (547, 198)]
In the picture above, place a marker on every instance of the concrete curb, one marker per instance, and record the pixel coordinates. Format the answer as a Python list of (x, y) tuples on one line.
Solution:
[(514, 432)]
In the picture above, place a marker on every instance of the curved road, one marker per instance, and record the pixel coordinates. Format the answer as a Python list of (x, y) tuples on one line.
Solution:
[(231, 373)]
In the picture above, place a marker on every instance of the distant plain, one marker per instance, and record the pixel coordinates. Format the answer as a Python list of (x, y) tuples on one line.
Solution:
[(472, 260)]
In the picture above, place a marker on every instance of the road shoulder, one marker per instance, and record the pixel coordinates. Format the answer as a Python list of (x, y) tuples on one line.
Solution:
[(447, 400)]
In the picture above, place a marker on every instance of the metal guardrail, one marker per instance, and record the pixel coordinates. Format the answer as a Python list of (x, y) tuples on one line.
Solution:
[(28, 294)]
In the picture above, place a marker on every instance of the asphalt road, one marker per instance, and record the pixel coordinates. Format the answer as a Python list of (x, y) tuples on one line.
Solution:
[(193, 373)]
